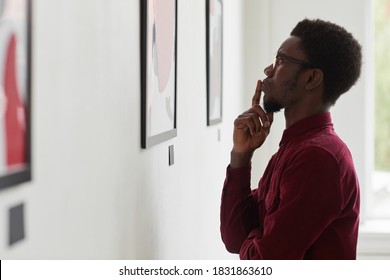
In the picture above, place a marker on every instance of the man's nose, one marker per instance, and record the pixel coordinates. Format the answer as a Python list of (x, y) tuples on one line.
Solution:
[(269, 70)]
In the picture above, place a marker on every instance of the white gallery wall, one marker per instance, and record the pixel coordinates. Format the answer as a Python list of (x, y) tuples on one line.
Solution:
[(95, 193)]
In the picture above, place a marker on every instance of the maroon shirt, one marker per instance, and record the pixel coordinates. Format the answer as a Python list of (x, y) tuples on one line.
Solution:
[(306, 205)]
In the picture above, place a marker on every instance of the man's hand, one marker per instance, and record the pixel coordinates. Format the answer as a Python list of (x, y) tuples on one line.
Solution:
[(251, 129)]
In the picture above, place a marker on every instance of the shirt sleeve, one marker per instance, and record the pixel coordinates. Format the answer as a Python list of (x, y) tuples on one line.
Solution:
[(239, 210), (308, 200)]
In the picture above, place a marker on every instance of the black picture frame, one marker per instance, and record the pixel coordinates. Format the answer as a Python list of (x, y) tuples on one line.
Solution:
[(15, 88), (214, 57), (158, 71)]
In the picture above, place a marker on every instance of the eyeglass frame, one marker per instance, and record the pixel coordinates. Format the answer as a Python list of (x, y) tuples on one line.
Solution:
[(293, 60)]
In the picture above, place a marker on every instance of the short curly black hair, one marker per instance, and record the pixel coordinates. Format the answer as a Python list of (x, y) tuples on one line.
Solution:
[(333, 50)]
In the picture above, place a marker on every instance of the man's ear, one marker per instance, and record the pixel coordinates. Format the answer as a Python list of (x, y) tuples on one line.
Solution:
[(315, 79)]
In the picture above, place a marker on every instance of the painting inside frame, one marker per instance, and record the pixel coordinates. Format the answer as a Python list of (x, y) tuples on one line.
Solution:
[(214, 61), (15, 92), (158, 71)]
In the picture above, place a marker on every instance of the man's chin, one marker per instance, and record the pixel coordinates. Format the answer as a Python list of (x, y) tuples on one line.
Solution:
[(271, 106)]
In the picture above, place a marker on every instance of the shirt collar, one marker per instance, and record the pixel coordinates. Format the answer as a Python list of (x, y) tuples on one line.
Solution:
[(305, 125)]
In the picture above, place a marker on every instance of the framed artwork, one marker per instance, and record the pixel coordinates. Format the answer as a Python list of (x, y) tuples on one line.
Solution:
[(15, 92), (158, 71), (214, 60)]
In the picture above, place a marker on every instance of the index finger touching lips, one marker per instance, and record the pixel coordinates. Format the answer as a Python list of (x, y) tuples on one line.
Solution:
[(257, 95)]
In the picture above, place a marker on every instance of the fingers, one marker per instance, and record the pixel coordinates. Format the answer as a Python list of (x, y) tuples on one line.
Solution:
[(262, 115), (266, 118), (256, 120), (250, 122), (270, 117), (257, 96)]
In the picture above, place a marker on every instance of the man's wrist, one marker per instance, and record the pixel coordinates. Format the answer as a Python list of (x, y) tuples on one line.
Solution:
[(238, 159)]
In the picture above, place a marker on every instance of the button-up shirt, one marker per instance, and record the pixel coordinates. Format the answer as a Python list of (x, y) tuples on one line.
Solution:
[(306, 205)]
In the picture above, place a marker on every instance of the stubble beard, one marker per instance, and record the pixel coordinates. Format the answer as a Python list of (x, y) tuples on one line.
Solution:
[(272, 105)]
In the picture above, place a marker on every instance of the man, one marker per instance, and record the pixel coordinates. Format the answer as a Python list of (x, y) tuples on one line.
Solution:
[(306, 205)]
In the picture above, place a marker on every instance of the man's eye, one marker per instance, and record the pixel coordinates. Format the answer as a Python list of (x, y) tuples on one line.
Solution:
[(278, 60)]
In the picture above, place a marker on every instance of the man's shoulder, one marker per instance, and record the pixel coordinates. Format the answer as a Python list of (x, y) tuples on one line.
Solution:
[(322, 146)]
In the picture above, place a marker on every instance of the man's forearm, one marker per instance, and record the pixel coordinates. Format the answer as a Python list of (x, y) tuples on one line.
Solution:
[(239, 210), (238, 160)]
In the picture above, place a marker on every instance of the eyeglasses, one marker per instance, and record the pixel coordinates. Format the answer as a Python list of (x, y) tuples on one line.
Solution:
[(280, 56)]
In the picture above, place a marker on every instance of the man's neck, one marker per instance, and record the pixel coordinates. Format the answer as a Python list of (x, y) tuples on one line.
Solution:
[(295, 115)]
